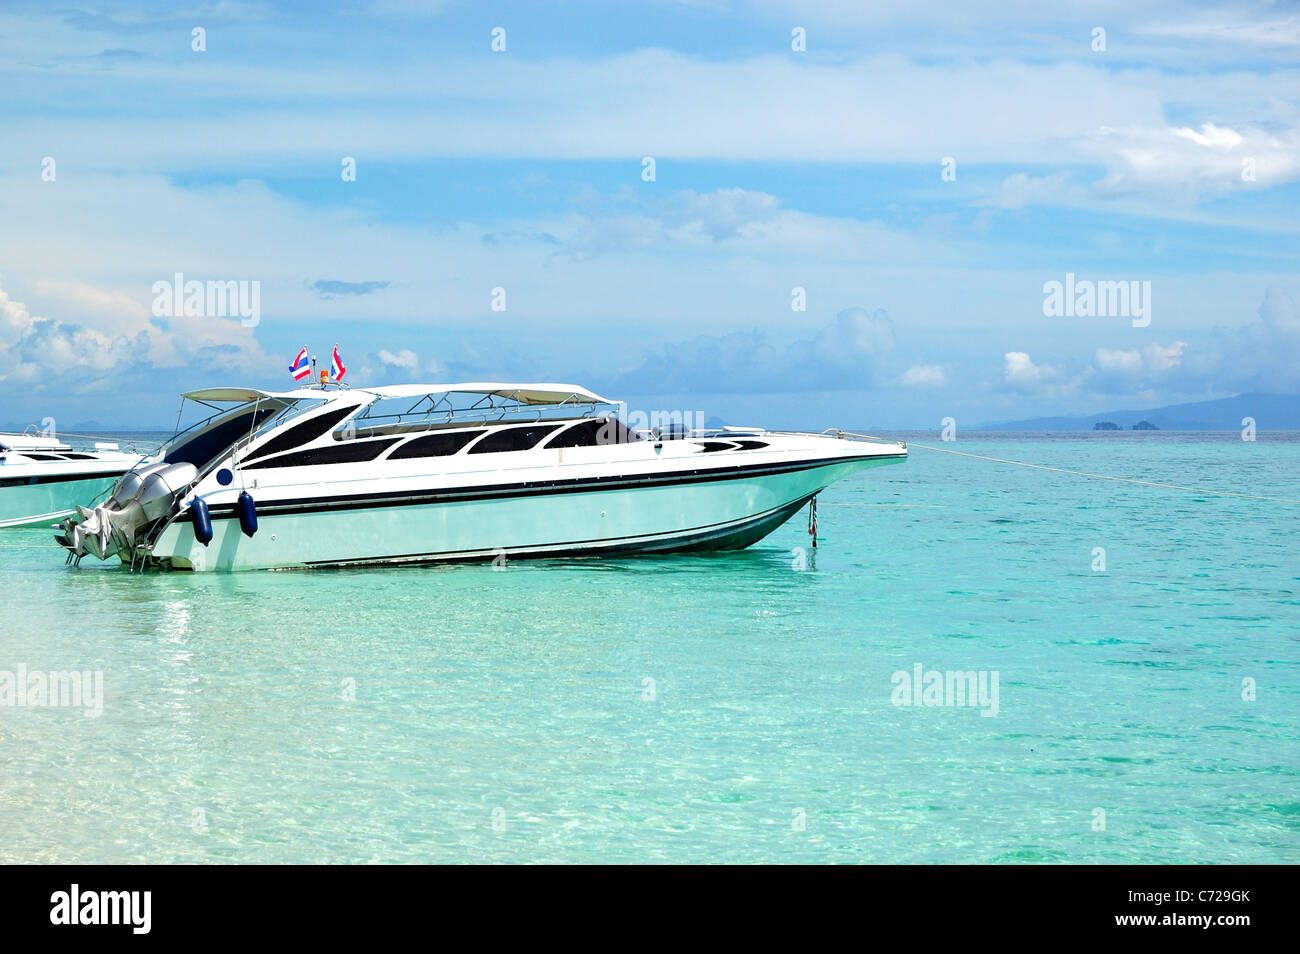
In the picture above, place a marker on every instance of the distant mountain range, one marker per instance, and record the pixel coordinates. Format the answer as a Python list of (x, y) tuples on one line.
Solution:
[(1272, 412)]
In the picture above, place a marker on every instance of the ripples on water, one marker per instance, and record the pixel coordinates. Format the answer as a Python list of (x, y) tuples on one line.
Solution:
[(505, 715)]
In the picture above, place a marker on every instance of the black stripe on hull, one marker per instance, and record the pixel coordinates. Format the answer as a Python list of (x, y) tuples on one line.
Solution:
[(574, 485), (734, 535)]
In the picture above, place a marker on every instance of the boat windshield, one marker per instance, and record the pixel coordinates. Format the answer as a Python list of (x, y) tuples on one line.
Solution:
[(212, 436)]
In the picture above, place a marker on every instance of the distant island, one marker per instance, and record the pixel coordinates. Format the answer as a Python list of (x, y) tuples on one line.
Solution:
[(1112, 426), (1271, 412)]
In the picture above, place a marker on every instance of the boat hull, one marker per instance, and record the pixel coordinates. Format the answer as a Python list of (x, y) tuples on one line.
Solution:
[(692, 513), (32, 501)]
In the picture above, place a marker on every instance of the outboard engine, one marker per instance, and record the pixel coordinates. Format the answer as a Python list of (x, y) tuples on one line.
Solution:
[(140, 497)]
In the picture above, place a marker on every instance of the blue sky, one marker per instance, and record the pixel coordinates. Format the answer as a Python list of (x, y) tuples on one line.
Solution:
[(775, 169)]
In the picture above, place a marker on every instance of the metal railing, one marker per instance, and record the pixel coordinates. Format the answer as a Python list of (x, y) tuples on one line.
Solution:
[(441, 411)]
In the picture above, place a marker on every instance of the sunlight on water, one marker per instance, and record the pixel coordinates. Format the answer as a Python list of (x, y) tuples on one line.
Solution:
[(728, 707)]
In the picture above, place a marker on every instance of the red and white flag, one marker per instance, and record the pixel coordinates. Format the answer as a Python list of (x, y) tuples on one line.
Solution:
[(300, 367), (336, 366)]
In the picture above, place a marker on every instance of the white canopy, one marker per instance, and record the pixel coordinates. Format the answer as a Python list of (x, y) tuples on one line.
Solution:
[(239, 395), (523, 393)]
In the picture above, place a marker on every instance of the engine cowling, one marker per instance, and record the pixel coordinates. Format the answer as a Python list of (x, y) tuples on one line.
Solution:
[(140, 497)]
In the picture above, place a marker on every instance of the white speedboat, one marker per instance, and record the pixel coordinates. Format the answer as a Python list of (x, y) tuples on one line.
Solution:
[(43, 478), (420, 474)]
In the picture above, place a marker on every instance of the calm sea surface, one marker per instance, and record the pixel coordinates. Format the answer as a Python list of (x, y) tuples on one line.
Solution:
[(735, 707)]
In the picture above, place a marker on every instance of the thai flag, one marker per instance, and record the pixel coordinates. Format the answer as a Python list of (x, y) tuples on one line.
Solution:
[(300, 368), (336, 366)]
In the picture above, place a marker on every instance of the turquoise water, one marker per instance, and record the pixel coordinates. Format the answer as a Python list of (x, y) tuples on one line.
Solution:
[(503, 715)]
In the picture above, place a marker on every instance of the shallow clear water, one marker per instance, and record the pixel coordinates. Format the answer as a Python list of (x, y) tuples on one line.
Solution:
[(502, 715)]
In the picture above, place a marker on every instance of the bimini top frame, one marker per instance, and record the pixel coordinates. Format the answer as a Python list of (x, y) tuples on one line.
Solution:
[(413, 407), (518, 393)]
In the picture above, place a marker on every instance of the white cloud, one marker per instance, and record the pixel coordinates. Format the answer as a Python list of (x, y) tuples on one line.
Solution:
[(1124, 362), (1263, 355), (112, 338), (1019, 370), (924, 376), (1185, 160), (405, 358), (40, 350), (1021, 374), (1163, 357), (724, 213)]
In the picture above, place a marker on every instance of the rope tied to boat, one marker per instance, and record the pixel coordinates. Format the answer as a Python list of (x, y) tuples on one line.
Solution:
[(1123, 480)]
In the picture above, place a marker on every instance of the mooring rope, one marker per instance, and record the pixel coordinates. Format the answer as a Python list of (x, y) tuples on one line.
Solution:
[(1123, 480)]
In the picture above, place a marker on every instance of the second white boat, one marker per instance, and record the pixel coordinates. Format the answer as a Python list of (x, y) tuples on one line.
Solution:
[(45, 478)]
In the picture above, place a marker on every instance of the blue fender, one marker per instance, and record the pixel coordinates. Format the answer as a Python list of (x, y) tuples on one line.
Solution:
[(202, 521), (247, 513)]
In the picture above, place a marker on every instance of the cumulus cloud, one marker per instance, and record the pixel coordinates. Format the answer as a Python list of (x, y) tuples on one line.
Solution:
[(1160, 357), (113, 338), (386, 367), (723, 213), (40, 349), (405, 358), (924, 376), (1116, 371), (1020, 373), (1128, 371), (1263, 355)]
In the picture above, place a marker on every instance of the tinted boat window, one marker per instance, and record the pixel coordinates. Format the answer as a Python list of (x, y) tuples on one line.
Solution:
[(593, 433), (711, 447), (204, 446), (434, 445), (344, 452), (300, 434), (512, 439), (750, 445)]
